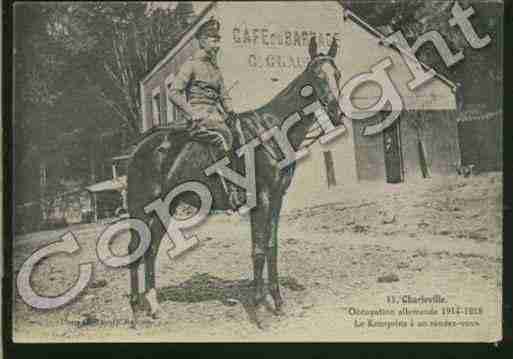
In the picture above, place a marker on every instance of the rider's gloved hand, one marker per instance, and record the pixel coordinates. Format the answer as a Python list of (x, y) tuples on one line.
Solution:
[(195, 119), (231, 117)]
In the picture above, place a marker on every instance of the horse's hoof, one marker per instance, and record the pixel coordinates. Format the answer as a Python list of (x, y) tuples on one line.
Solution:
[(156, 315), (153, 304), (231, 302), (257, 301), (279, 312), (262, 324)]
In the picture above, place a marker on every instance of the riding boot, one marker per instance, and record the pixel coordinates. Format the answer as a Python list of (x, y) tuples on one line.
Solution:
[(236, 194)]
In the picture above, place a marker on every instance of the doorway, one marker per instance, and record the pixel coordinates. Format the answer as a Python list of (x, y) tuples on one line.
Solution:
[(393, 153)]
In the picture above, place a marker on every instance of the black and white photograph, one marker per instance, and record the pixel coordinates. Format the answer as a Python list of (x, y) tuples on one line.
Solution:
[(257, 171)]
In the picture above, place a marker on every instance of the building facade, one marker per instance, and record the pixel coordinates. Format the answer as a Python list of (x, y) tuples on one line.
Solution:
[(264, 46)]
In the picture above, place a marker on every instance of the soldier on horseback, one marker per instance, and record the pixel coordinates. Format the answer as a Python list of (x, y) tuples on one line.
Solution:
[(199, 90)]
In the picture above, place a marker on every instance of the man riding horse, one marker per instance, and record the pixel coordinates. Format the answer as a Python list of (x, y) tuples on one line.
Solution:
[(200, 92), (156, 169)]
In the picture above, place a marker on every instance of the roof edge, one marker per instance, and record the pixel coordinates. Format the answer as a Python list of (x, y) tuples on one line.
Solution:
[(347, 14), (394, 46)]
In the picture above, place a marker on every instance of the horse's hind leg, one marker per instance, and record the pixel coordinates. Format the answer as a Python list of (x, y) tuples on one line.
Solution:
[(136, 302), (150, 257)]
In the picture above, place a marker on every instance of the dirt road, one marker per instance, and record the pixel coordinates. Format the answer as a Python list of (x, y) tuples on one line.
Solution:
[(348, 250)]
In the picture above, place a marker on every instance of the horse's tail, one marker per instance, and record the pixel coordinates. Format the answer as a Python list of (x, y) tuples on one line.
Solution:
[(148, 160)]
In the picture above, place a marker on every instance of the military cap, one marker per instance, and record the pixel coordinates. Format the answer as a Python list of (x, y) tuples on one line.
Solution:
[(209, 28)]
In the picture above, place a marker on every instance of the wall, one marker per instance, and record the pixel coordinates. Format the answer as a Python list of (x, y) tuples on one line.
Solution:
[(440, 139), (370, 160), (264, 67), (481, 144), (157, 80), (311, 176)]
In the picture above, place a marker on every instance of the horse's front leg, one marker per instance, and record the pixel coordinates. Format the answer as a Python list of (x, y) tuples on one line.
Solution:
[(272, 257), (150, 257), (260, 235)]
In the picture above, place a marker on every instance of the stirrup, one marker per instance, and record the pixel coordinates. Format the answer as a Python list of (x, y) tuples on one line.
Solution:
[(236, 200), (239, 199)]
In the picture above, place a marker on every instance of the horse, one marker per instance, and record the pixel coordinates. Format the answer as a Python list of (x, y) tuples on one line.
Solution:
[(166, 158)]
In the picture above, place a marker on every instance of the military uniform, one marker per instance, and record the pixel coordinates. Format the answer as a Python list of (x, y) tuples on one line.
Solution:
[(201, 80)]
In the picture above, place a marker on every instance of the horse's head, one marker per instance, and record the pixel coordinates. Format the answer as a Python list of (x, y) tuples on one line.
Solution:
[(325, 76)]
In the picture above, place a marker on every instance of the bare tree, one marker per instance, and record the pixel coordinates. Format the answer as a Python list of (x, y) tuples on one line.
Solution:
[(118, 43)]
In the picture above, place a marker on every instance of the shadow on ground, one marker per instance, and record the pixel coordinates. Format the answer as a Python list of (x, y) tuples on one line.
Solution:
[(203, 287)]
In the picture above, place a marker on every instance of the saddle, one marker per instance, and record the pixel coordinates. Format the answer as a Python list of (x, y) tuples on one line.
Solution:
[(244, 128), (243, 131), (159, 151)]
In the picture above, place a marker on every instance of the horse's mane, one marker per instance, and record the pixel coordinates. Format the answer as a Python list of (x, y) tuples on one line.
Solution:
[(282, 96), (255, 122)]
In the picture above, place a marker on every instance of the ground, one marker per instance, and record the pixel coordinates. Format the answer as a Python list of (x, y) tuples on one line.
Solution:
[(352, 248)]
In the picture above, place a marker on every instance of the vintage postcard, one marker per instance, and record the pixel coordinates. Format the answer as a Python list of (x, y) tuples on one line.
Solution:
[(317, 171)]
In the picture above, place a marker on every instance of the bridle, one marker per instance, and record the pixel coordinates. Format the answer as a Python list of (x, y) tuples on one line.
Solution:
[(323, 99), (338, 73)]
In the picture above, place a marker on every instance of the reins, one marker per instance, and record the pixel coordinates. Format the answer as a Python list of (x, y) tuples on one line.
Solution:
[(338, 75)]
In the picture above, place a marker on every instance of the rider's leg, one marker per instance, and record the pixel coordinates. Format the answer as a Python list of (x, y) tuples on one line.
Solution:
[(214, 131)]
